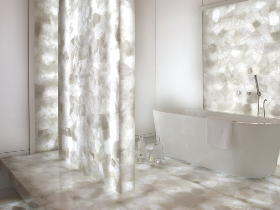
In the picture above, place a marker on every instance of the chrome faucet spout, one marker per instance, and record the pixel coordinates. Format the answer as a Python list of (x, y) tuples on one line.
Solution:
[(264, 108)]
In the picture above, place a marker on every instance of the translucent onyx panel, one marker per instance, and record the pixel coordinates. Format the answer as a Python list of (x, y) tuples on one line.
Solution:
[(46, 74), (239, 41)]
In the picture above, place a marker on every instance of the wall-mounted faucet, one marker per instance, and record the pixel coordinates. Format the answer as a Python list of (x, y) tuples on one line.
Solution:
[(264, 108), (258, 93)]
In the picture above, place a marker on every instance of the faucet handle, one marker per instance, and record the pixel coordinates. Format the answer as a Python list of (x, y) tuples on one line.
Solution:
[(257, 85)]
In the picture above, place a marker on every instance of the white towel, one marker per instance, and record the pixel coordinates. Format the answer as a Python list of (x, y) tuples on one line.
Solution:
[(219, 132)]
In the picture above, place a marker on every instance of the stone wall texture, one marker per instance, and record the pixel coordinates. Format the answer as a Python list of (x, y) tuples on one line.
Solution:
[(239, 41), (96, 89), (46, 75)]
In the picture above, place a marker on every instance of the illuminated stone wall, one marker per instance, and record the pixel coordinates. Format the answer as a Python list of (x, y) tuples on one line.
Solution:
[(241, 40), (96, 89), (46, 76)]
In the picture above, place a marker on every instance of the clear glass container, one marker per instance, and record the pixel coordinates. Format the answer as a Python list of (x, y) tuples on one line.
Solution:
[(141, 153), (153, 157), (141, 143), (140, 156), (159, 150), (141, 136)]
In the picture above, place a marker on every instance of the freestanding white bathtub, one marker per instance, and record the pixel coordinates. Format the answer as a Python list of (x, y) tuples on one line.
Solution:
[(254, 147)]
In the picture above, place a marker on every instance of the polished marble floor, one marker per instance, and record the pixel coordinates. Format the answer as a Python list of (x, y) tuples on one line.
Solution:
[(13, 204), (170, 185)]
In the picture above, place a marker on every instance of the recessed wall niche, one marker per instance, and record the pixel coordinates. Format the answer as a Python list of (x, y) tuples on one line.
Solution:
[(239, 41)]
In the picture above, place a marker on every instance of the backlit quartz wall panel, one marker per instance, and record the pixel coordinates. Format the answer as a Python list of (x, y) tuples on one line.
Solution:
[(241, 40), (46, 75), (96, 89)]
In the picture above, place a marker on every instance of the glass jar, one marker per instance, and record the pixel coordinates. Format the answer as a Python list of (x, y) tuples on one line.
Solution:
[(159, 149), (140, 156), (141, 142), (153, 157), (140, 153)]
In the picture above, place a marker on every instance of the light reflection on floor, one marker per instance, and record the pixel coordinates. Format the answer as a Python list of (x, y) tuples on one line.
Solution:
[(170, 185)]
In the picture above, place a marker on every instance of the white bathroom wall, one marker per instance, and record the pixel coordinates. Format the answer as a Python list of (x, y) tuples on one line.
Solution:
[(14, 119), (179, 54), (168, 35), (145, 74)]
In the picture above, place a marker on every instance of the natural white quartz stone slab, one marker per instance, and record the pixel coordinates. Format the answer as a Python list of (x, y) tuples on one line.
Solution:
[(170, 185), (239, 41), (46, 75), (96, 89)]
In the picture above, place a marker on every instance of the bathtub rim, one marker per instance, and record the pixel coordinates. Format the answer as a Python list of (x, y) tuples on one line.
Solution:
[(170, 111)]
